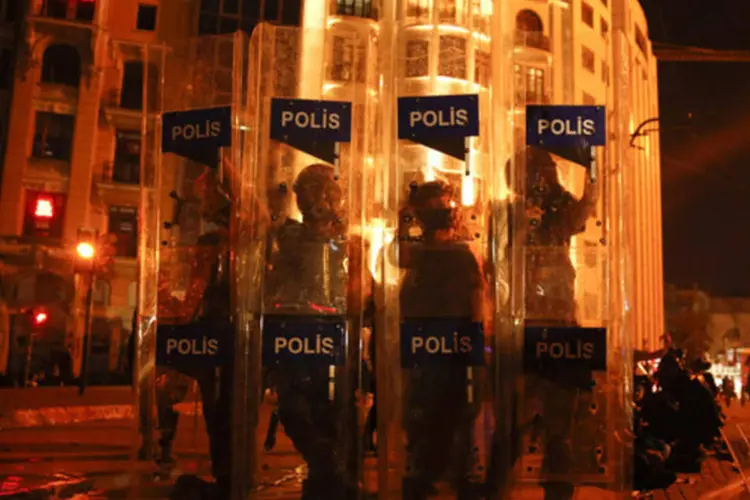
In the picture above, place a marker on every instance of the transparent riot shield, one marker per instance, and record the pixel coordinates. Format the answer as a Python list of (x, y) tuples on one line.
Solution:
[(573, 415), (435, 345), (303, 279), (185, 359)]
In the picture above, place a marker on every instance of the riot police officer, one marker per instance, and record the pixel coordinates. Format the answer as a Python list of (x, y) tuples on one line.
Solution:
[(314, 276), (443, 281)]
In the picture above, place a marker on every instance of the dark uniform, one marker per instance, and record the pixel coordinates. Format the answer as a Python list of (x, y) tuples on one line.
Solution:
[(567, 396), (308, 282), (443, 282)]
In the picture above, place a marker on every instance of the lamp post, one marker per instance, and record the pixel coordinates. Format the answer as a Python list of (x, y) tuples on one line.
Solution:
[(85, 257)]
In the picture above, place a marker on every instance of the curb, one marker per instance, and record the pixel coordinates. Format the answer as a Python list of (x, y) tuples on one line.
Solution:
[(62, 415)]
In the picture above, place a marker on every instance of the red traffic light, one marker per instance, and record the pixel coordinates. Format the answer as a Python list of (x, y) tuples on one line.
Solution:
[(45, 208), (40, 317)]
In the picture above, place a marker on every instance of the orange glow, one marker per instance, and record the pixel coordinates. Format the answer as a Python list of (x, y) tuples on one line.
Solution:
[(44, 208), (85, 250)]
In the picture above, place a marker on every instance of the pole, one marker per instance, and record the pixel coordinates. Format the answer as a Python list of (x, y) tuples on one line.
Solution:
[(87, 332)]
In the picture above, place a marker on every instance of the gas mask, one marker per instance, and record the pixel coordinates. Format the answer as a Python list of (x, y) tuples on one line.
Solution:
[(436, 219)]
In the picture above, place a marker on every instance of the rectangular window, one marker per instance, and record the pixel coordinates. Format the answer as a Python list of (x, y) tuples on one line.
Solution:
[(604, 26), (6, 68), (146, 17), (127, 164), (587, 14), (123, 222), (417, 58), (359, 8), (588, 100), (452, 58), (530, 85), (605, 2), (588, 59), (53, 136)]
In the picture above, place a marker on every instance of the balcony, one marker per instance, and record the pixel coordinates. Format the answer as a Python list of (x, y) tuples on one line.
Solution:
[(532, 39), (119, 183), (524, 98), (77, 11), (119, 113), (58, 93)]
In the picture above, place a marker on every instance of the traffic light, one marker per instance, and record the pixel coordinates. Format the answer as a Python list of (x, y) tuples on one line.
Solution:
[(85, 251), (44, 214), (39, 317)]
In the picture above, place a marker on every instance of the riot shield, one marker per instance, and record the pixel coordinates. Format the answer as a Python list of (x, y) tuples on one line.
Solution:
[(436, 350), (185, 346), (303, 279), (574, 406)]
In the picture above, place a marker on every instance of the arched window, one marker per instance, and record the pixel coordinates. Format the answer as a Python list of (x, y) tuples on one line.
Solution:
[(528, 20), (62, 65)]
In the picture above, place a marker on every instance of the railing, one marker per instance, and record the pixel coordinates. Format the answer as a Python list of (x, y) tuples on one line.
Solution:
[(531, 98), (121, 172), (79, 10), (534, 39)]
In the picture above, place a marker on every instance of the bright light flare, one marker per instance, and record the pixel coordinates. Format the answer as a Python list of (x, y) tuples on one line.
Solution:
[(40, 318), (85, 250)]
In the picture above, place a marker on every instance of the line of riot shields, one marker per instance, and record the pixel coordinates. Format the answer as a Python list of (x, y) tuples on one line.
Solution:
[(325, 317)]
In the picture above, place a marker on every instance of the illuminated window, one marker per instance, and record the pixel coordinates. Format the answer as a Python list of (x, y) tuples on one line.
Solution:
[(62, 65), (53, 137), (530, 85), (417, 58), (418, 10), (452, 57), (587, 14), (146, 17), (359, 8), (123, 222), (449, 13), (588, 59)]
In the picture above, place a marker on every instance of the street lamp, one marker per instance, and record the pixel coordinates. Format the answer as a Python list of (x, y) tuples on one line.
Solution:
[(85, 251), (84, 264)]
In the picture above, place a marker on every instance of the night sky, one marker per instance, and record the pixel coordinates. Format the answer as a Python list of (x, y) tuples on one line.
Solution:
[(705, 165)]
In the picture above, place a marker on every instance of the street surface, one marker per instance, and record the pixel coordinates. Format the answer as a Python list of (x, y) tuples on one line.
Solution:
[(94, 461)]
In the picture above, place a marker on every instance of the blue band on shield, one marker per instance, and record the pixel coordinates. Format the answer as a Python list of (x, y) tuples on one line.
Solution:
[(304, 340), (441, 341)]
